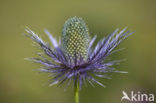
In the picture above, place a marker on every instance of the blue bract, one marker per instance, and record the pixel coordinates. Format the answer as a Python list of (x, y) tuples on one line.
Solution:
[(73, 59)]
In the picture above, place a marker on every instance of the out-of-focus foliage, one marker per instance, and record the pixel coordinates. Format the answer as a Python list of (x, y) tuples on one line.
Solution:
[(20, 84)]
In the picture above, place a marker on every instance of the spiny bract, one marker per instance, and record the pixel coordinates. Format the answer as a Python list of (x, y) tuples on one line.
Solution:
[(74, 59)]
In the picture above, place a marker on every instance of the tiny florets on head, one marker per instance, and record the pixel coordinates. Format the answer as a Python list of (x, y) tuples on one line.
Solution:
[(75, 37), (75, 59)]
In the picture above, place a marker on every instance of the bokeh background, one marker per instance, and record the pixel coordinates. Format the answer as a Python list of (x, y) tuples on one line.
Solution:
[(20, 84)]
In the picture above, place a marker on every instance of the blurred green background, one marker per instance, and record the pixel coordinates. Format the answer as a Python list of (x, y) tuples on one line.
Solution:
[(20, 84)]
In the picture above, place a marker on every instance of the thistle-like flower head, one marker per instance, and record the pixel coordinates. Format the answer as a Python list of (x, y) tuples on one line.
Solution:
[(75, 37), (73, 59)]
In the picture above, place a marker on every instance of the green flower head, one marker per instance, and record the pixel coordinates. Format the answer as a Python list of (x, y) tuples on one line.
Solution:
[(75, 37)]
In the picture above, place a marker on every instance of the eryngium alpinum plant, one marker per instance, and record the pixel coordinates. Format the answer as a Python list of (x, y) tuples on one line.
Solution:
[(73, 59)]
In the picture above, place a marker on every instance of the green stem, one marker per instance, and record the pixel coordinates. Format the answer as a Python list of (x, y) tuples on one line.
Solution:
[(76, 92)]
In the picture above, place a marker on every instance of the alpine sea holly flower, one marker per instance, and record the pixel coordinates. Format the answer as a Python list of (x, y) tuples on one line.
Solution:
[(73, 59)]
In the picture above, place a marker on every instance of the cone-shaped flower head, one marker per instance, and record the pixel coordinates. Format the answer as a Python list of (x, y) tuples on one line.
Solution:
[(75, 37), (74, 58)]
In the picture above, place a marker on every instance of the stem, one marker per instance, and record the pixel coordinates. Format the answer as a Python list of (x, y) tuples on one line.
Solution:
[(76, 92)]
